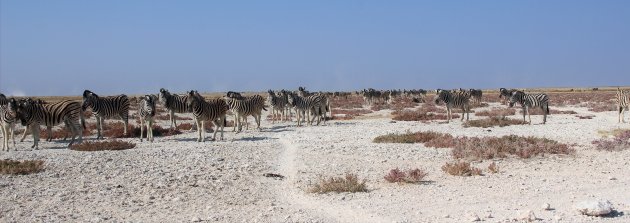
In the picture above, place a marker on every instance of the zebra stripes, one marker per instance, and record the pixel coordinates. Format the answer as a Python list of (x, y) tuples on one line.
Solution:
[(33, 114), (173, 104), (457, 100), (305, 105), (214, 110), (245, 106), (528, 101), (476, 95), (623, 103), (146, 111), (106, 107), (7, 122)]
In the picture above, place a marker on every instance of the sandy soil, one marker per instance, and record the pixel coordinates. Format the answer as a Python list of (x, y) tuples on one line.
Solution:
[(176, 179)]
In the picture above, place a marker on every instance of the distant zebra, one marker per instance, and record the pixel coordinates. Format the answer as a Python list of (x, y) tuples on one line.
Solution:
[(106, 107), (33, 114), (457, 100), (320, 111), (173, 104), (146, 112), (304, 106), (623, 103), (278, 105), (214, 110), (284, 96), (246, 106), (7, 122), (528, 101), (476, 95)]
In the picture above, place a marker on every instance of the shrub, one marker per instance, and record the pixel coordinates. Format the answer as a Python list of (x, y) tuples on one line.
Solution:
[(350, 102), (349, 183), (461, 169), (493, 121), (493, 168), (102, 145), (435, 139), (620, 141), (166, 117), (14, 167), (410, 176), (426, 112), (585, 116), (497, 112)]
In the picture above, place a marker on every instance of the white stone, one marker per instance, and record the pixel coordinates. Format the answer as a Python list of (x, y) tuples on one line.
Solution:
[(527, 215), (546, 206), (474, 217), (594, 208)]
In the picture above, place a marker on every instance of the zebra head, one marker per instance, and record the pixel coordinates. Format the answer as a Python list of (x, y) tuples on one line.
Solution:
[(12, 106), (3, 99), (88, 99), (192, 98), (24, 109), (148, 104), (440, 95), (162, 97), (516, 96)]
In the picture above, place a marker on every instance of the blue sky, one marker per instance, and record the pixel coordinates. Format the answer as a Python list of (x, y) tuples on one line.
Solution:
[(133, 47)]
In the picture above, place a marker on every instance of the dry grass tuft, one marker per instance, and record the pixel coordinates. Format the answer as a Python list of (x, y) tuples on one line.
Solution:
[(409, 176), (349, 183), (619, 142), (103, 145), (427, 112), (493, 168), (493, 121), (14, 167), (349, 113), (430, 139), (500, 112), (461, 169), (585, 116), (350, 102)]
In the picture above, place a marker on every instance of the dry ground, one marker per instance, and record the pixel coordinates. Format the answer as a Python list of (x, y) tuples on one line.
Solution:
[(176, 179)]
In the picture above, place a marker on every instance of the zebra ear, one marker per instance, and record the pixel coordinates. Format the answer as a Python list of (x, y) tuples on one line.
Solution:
[(162, 90)]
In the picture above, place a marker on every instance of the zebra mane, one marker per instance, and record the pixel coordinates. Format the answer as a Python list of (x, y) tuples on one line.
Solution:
[(86, 93)]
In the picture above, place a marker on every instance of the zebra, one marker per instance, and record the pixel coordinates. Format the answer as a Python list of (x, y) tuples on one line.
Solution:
[(245, 106), (7, 122), (506, 94), (458, 100), (623, 103), (476, 95), (33, 114), (214, 110), (320, 111), (278, 105), (146, 112), (106, 107), (173, 104), (528, 101), (304, 105)]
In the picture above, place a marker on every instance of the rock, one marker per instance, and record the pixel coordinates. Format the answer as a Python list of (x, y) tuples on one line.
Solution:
[(546, 206), (489, 215), (527, 215), (594, 208), (474, 217), (612, 178), (447, 216), (195, 219)]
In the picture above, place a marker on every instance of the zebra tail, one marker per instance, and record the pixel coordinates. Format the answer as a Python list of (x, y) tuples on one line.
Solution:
[(547, 109), (265, 107), (82, 120)]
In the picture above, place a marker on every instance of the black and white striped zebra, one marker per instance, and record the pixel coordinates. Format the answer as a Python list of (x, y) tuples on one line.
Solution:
[(623, 103), (173, 103), (245, 106), (146, 112), (528, 101), (278, 105), (106, 107), (7, 122), (214, 110), (454, 100), (505, 94), (304, 105), (33, 114), (476, 95)]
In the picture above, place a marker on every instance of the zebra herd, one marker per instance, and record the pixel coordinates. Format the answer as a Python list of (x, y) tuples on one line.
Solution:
[(307, 106)]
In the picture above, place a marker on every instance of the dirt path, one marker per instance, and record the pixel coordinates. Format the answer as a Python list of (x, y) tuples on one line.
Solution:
[(296, 197)]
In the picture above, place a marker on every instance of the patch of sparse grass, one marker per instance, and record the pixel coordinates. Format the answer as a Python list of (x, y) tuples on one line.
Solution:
[(499, 112), (493, 121), (476, 148), (349, 183), (493, 168), (461, 168), (24, 167), (427, 112), (619, 142), (409, 176), (349, 113), (102, 145), (431, 139), (601, 106), (585, 116), (350, 102)]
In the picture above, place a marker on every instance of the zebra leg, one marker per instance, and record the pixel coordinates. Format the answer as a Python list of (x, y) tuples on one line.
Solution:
[(171, 119), (198, 130), (69, 128), (75, 128), (142, 129), (529, 116), (126, 120), (35, 133), (150, 130), (99, 128), (26, 128), (257, 118), (524, 111), (5, 139), (203, 132), (12, 129), (49, 133)]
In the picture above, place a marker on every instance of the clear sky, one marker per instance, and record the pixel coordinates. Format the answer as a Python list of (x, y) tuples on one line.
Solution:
[(133, 47)]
